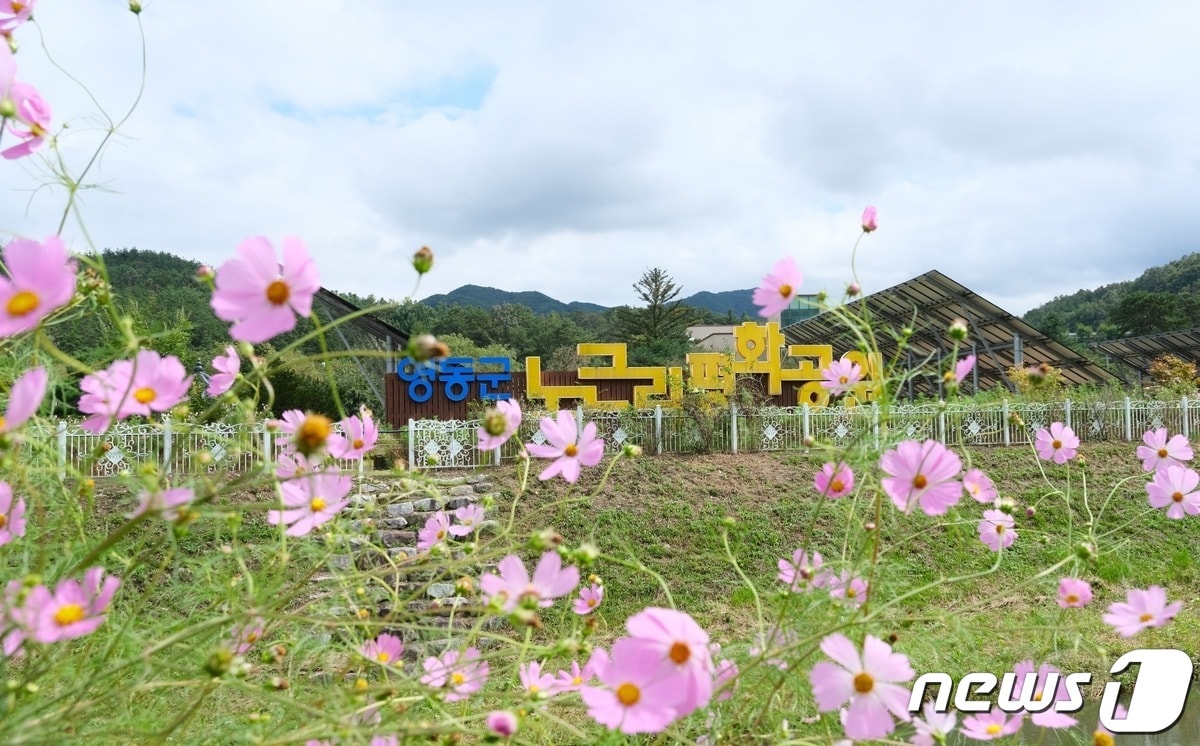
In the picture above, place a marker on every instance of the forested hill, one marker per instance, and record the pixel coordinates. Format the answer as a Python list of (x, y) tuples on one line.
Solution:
[(733, 305), (1165, 298)]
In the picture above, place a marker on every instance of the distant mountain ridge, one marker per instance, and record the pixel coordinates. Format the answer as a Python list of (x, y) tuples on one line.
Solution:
[(736, 302)]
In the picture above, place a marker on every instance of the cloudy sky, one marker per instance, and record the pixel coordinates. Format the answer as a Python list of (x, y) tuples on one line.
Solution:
[(1026, 149)]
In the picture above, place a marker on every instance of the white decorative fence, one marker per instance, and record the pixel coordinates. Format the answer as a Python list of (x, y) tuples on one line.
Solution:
[(184, 448), (451, 444), (178, 448)]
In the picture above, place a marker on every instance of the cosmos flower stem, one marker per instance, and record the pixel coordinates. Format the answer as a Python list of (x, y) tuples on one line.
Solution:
[(1112, 493), (949, 581), (1127, 524), (324, 342), (741, 574), (100, 549), (512, 511), (877, 540), (635, 565)]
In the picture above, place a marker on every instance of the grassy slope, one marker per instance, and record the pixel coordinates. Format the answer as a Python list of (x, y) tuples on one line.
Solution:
[(670, 511)]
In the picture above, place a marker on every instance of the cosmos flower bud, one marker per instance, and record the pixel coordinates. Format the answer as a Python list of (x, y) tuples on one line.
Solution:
[(545, 539), (853, 289), (958, 330), (422, 260), (426, 347), (1086, 551), (870, 219), (629, 450), (135, 7)]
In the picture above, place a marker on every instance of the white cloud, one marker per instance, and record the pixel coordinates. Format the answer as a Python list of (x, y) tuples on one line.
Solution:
[(1026, 150)]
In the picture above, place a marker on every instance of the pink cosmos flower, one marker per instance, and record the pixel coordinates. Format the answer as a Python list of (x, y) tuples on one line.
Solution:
[(158, 384), (104, 395), (869, 219), (676, 640), (980, 487), (1057, 444), (31, 122), (1074, 593), (246, 633), (1174, 488), (993, 724), (165, 503), (502, 722), (778, 288), (27, 393), (292, 465), (840, 376), (384, 741), (567, 447), (801, 573), (725, 679), (459, 676), (574, 680), (12, 515), (847, 585), (469, 517), (922, 473), (996, 530), (15, 616), (359, 435), (1142, 609), (41, 278), (74, 609), (1102, 735), (1160, 452), (227, 366), (770, 642), (13, 13), (311, 501), (589, 599), (1047, 718), (315, 742), (871, 683), (499, 424), (435, 531), (834, 480), (261, 296), (638, 693), (963, 368), (534, 680), (305, 432), (385, 649), (513, 585), (933, 729)]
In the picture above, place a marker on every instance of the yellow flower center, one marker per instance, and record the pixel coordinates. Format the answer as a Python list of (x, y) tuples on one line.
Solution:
[(317, 504), (1145, 617), (68, 614), (863, 683), (1056, 445), (785, 290), (843, 380), (252, 638), (1000, 528), (1100, 738), (278, 292), (357, 443), (571, 451), (836, 485), (1177, 497), (534, 688), (457, 678), (920, 481), (17, 7), (1072, 598), (313, 432), (23, 303), (590, 602), (441, 534), (850, 592), (3, 520), (576, 680), (993, 729), (628, 694), (383, 656), (145, 395), (1162, 452), (680, 652)]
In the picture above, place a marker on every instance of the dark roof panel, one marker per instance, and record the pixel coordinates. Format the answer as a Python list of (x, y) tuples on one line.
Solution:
[(929, 303)]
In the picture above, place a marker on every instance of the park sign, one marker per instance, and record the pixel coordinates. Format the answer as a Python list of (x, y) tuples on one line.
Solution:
[(788, 375)]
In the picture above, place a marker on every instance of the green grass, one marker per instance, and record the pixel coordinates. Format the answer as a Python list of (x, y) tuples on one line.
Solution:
[(669, 516)]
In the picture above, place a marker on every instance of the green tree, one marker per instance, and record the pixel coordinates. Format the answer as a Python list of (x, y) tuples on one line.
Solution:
[(1146, 312), (656, 333)]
